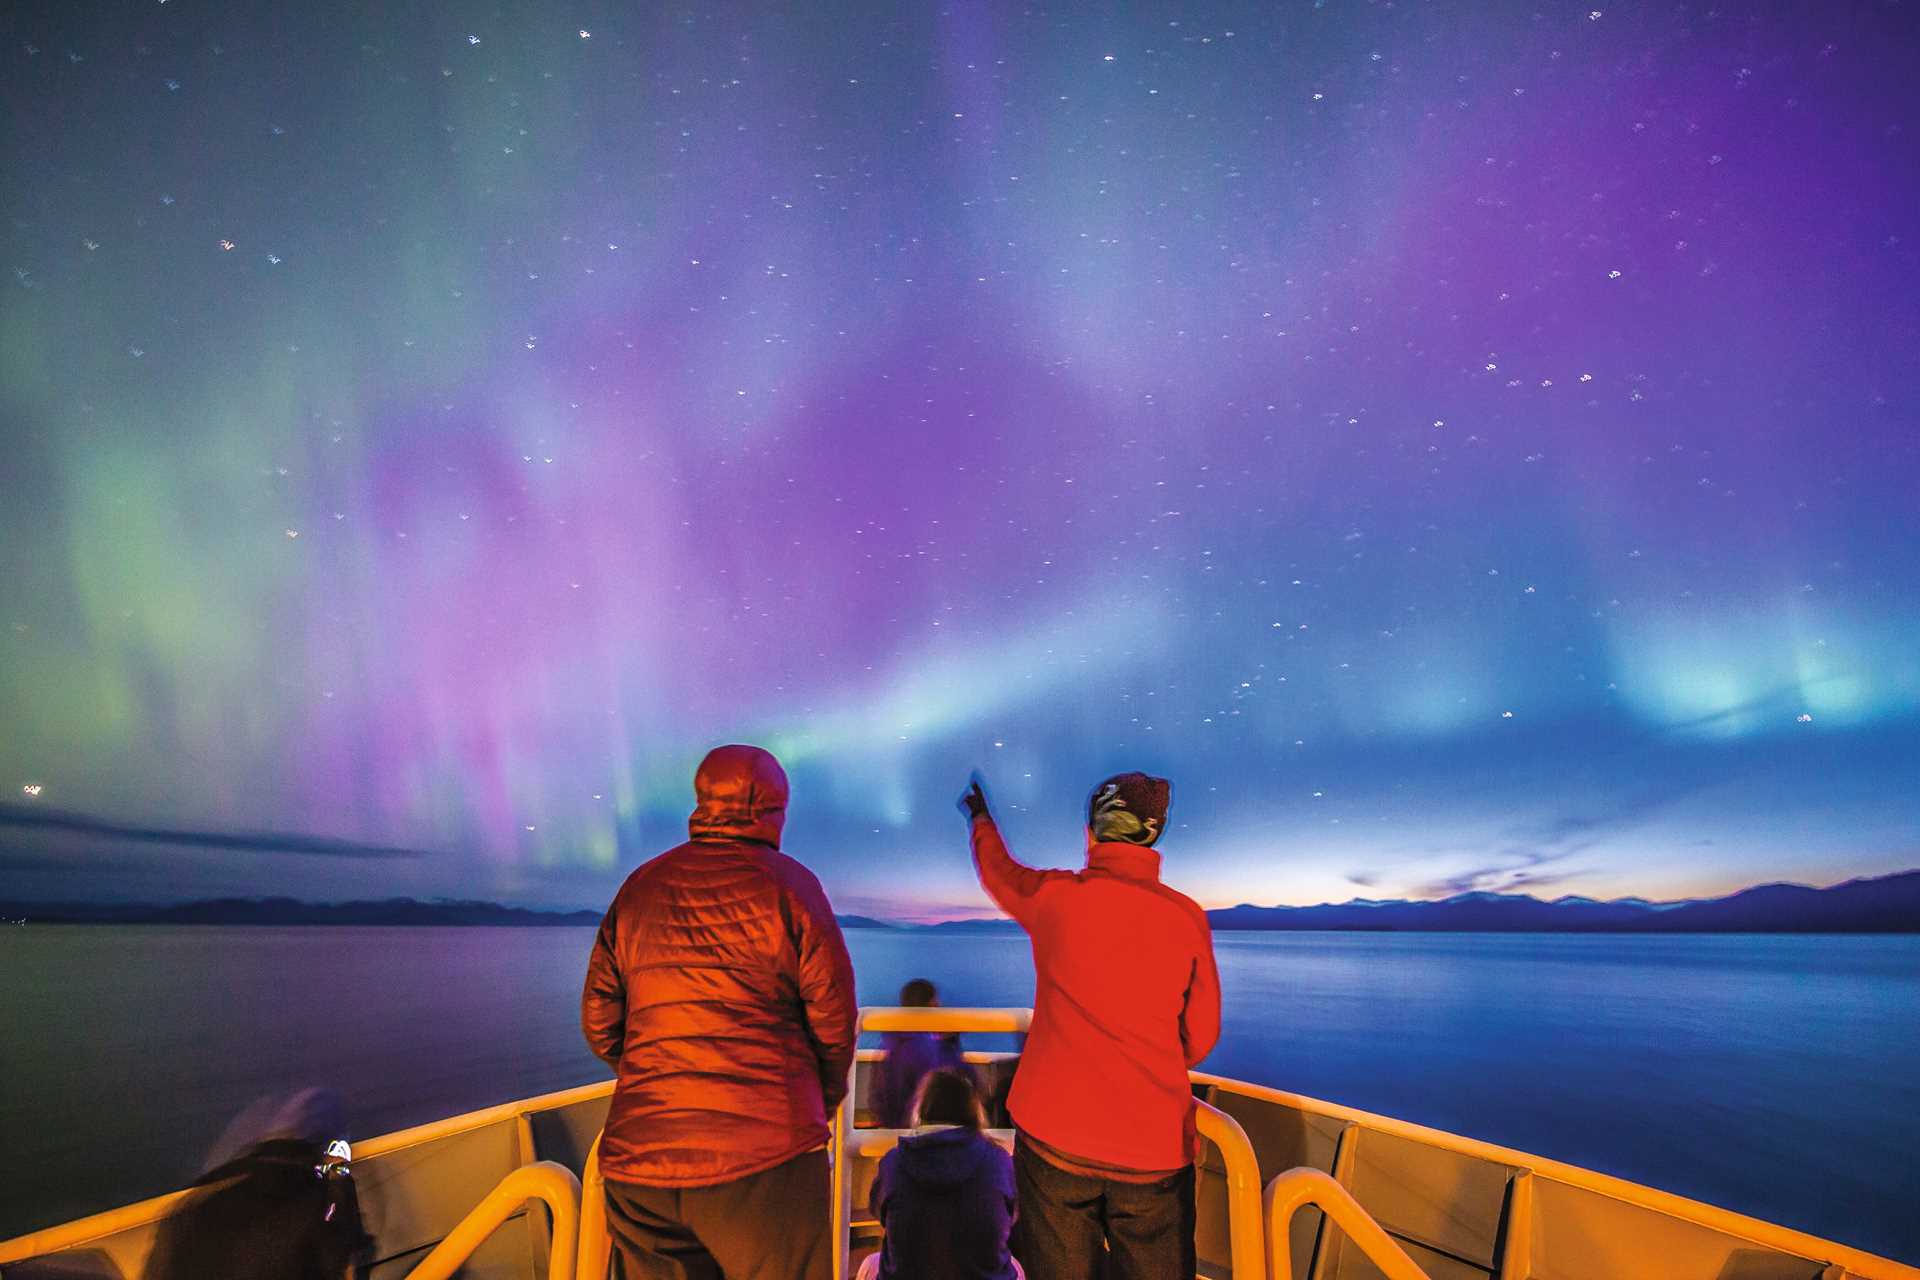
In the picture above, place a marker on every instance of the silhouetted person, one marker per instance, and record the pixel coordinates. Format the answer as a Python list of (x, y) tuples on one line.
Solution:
[(907, 1056), (278, 1202), (1126, 1000), (945, 1195), (721, 994)]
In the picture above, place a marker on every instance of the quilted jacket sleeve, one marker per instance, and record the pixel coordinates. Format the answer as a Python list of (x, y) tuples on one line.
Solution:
[(603, 1004), (826, 986)]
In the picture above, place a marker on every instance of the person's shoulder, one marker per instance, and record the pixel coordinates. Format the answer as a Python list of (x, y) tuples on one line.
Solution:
[(997, 1153), (790, 871), (996, 1160), (1193, 911), (637, 879), (796, 884), (660, 864)]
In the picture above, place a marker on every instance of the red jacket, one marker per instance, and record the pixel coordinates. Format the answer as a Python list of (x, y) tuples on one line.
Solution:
[(1126, 999), (721, 993)]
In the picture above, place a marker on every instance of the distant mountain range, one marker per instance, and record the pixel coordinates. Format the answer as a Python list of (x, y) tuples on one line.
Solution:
[(863, 922), (1883, 904), (992, 924)]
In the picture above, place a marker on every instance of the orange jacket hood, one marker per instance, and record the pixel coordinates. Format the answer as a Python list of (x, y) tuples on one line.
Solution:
[(742, 795)]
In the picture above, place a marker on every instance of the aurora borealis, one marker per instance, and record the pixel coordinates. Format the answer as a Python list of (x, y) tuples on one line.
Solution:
[(1461, 448)]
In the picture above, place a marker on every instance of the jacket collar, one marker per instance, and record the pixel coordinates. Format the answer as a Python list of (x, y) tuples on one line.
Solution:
[(1127, 861)]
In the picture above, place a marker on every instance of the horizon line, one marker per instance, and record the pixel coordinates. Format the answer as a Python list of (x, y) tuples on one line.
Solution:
[(896, 922)]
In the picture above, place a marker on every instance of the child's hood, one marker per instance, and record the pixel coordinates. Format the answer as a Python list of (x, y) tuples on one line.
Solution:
[(947, 1157)]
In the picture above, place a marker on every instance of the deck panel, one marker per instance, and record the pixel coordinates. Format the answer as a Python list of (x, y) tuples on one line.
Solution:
[(1582, 1235)]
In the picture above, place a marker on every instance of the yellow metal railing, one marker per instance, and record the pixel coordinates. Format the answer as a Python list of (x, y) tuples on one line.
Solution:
[(1243, 1189), (552, 1184), (105, 1230), (596, 1247), (1295, 1189), (1754, 1230), (98, 1227)]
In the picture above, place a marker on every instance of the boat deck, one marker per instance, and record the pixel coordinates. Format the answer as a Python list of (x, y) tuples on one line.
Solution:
[(1448, 1207)]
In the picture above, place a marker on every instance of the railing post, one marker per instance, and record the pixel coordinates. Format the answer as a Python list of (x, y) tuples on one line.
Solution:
[(840, 1162), (595, 1246), (1291, 1191), (1244, 1236), (552, 1184)]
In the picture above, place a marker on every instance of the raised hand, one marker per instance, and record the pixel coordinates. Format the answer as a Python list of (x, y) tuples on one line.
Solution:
[(973, 801)]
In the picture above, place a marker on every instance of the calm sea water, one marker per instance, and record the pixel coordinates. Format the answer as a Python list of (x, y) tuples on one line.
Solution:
[(1774, 1075)]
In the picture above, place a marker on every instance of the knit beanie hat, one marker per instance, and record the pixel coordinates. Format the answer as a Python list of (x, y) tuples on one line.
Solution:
[(1131, 807)]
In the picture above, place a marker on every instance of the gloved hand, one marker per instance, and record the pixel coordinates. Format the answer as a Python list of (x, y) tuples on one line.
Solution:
[(973, 801)]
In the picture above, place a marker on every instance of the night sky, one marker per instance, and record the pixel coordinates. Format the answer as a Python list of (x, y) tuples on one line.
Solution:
[(1464, 447)]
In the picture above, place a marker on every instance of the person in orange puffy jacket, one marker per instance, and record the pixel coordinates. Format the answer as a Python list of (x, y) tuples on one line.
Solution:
[(721, 994), (1126, 1000)]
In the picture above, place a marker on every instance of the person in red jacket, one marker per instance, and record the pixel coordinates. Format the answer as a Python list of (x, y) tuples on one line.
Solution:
[(721, 993), (1126, 999)]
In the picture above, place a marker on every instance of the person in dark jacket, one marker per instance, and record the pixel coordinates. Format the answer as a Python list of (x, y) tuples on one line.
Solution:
[(908, 1056), (721, 994), (1126, 1001), (277, 1201), (946, 1194)]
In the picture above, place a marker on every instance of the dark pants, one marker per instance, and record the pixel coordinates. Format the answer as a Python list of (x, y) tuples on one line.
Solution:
[(1066, 1222), (770, 1225)]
